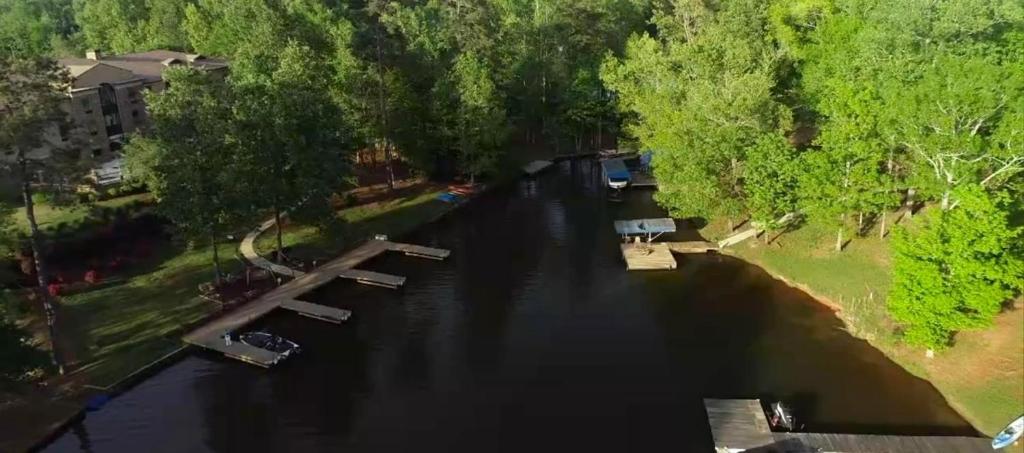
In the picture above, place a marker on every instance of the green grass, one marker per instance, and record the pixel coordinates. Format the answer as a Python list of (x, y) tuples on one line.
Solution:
[(118, 327), (981, 375), (391, 217), (49, 217)]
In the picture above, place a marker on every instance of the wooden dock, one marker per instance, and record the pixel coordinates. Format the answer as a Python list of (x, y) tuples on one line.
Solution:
[(419, 251), (536, 166), (738, 425), (692, 247), (741, 425), (317, 311), (648, 256), (210, 335), (641, 179), (373, 278)]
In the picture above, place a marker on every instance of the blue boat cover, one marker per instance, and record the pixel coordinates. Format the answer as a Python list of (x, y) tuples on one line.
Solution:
[(645, 226), (615, 169)]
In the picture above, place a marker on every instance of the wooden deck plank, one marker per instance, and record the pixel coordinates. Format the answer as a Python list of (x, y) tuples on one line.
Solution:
[(737, 424), (649, 256), (244, 352), (372, 278), (419, 250), (857, 443), (536, 166), (317, 311)]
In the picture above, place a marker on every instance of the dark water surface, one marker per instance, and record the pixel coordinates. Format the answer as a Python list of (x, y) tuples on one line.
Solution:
[(531, 337)]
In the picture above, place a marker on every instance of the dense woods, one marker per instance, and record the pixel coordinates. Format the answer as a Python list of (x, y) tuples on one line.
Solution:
[(840, 111)]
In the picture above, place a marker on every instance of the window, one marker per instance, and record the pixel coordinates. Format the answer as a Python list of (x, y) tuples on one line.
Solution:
[(65, 130), (135, 113), (93, 132), (96, 152)]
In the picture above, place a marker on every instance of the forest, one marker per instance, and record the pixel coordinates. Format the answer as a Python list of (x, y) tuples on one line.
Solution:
[(842, 112)]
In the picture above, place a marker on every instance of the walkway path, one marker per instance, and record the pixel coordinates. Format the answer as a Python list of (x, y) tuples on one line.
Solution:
[(248, 249)]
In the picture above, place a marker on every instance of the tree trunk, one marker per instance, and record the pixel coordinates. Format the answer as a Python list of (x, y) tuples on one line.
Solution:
[(839, 235), (945, 200), (216, 259), (277, 226), (43, 279), (731, 229), (881, 231), (860, 221), (383, 111), (910, 202)]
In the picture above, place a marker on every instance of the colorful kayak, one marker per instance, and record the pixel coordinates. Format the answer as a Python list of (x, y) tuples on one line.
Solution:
[(1011, 434)]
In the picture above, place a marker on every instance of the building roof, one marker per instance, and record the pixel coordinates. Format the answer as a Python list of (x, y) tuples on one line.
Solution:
[(146, 65)]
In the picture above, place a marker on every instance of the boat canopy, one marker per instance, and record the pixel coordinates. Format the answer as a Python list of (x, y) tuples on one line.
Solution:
[(645, 226), (615, 169)]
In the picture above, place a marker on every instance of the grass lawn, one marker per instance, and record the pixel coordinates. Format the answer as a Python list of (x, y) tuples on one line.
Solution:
[(120, 326), (49, 217), (391, 217), (982, 375), (117, 327)]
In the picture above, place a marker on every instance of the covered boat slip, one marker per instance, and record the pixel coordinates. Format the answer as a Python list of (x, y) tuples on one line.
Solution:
[(616, 174), (741, 425), (642, 253), (650, 227)]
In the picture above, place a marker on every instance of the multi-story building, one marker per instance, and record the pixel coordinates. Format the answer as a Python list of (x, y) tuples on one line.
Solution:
[(106, 101)]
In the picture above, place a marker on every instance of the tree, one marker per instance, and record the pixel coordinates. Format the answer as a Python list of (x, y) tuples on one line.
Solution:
[(115, 25), (291, 136), (700, 99), (955, 271), (771, 180), (189, 160), (32, 93), (33, 28), (480, 123)]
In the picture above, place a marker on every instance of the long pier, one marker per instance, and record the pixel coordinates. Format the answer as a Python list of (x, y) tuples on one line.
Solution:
[(211, 335), (741, 425)]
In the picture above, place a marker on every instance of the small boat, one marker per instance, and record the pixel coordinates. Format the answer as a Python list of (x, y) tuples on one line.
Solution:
[(780, 417), (1010, 435), (270, 342)]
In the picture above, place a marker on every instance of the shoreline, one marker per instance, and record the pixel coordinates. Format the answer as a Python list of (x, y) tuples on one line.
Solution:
[(851, 328)]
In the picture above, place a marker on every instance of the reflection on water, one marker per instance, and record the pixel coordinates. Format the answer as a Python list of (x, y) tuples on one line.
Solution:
[(531, 337)]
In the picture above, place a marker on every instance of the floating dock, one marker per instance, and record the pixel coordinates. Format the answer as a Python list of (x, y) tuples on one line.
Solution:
[(741, 425), (648, 256), (536, 166), (211, 335), (419, 251), (317, 311), (373, 278)]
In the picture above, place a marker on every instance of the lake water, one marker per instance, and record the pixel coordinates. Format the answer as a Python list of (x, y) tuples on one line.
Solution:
[(530, 337)]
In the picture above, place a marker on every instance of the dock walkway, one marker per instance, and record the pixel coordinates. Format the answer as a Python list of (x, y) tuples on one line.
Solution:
[(741, 425), (210, 335), (317, 311), (373, 278), (419, 251)]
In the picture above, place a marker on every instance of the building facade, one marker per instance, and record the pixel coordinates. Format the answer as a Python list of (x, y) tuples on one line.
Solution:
[(106, 102)]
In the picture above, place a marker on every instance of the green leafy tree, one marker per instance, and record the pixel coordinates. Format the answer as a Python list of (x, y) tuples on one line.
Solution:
[(114, 25), (32, 97), (36, 27), (956, 271), (189, 160), (771, 180), (291, 136), (700, 99), (481, 124)]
